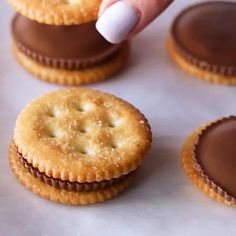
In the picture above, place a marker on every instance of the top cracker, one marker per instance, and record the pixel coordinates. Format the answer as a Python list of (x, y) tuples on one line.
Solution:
[(82, 135), (58, 12)]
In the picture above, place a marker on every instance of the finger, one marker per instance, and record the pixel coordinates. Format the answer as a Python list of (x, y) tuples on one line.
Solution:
[(149, 10), (122, 19)]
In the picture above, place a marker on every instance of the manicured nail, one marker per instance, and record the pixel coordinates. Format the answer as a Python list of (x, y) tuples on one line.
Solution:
[(117, 22)]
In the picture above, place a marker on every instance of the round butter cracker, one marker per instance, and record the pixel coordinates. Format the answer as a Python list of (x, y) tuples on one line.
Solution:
[(82, 135)]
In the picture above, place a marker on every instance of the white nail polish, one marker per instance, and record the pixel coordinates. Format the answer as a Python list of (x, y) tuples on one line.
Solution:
[(117, 21)]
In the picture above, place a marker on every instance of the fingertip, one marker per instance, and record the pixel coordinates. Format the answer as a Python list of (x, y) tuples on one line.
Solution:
[(117, 21)]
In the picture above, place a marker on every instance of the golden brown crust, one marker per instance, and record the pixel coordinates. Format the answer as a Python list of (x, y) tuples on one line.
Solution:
[(82, 135), (60, 12), (59, 195), (194, 70), (193, 173), (77, 77)]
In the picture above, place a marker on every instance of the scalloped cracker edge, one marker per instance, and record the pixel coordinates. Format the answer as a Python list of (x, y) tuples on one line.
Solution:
[(58, 195), (194, 70), (78, 77), (191, 171), (60, 12)]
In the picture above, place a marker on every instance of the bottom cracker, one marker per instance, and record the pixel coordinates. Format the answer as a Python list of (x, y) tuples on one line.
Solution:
[(195, 71), (193, 173), (59, 195), (77, 77)]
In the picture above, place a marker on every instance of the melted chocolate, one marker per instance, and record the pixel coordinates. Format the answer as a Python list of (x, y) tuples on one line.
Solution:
[(207, 32), (67, 47), (215, 154), (67, 185)]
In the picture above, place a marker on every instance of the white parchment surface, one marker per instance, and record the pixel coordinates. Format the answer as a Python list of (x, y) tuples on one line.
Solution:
[(162, 201)]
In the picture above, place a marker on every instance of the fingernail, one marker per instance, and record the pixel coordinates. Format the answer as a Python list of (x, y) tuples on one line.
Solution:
[(117, 21)]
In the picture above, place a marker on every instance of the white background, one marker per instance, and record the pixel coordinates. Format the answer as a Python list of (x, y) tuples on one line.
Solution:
[(162, 201)]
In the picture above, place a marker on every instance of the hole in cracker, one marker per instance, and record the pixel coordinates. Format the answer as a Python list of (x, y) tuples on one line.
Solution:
[(114, 145), (83, 130), (57, 112), (84, 107), (55, 134), (111, 124), (80, 109), (52, 135), (52, 114), (113, 121), (83, 151)]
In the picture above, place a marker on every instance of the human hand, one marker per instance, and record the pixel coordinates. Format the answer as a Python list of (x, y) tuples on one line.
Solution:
[(119, 20)]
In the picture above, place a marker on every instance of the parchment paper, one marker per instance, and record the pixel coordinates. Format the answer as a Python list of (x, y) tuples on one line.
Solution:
[(162, 201)]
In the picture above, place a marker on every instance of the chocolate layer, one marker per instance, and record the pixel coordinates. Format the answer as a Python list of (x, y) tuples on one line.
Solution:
[(215, 155), (67, 185), (205, 34), (71, 47)]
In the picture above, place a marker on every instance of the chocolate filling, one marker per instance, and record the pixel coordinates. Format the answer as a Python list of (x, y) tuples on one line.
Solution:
[(215, 156), (67, 185), (205, 34), (72, 47)]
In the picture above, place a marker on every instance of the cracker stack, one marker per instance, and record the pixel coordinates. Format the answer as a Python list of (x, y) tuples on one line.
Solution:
[(206, 48), (57, 41), (78, 146)]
